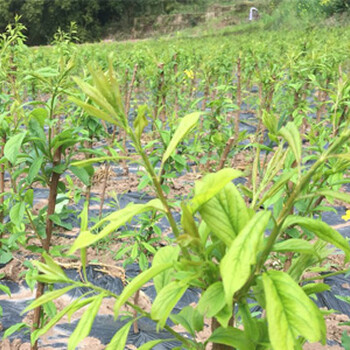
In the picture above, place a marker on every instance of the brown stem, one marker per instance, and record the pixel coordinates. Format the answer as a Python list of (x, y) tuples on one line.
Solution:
[(160, 94), (127, 110), (47, 241)]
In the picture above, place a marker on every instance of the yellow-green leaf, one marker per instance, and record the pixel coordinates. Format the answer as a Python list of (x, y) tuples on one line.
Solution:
[(290, 312), (186, 124), (236, 265), (226, 214)]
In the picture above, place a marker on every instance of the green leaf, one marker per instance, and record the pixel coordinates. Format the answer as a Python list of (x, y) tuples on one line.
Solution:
[(211, 185), (226, 214), (166, 300), (186, 124), (52, 272), (345, 341), (13, 146), (5, 289), (119, 339), (151, 344), (236, 265), (49, 296), (40, 115), (117, 219), (93, 111), (29, 196), (140, 121), (212, 300), (97, 97), (224, 316), (344, 197), (34, 169), (232, 337), (13, 329), (312, 288), (290, 312), (294, 245), (250, 324), (51, 323), (292, 135), (81, 174), (17, 213), (321, 230), (190, 319), (164, 256), (86, 162), (188, 223), (5, 257), (138, 282), (83, 328)]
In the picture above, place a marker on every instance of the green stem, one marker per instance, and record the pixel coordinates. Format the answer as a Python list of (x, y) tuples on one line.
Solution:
[(158, 189)]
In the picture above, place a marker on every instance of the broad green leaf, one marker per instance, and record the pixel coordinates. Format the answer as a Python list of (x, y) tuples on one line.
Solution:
[(292, 135), (290, 312), (212, 300), (294, 245), (13, 146), (40, 115), (211, 185), (224, 316), (48, 296), (17, 213), (186, 124), (119, 339), (166, 300), (321, 230), (29, 196), (312, 288), (232, 337), (83, 328), (190, 319), (34, 169), (164, 256), (5, 257), (138, 282), (151, 344), (81, 174), (117, 219), (226, 214), (236, 265)]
